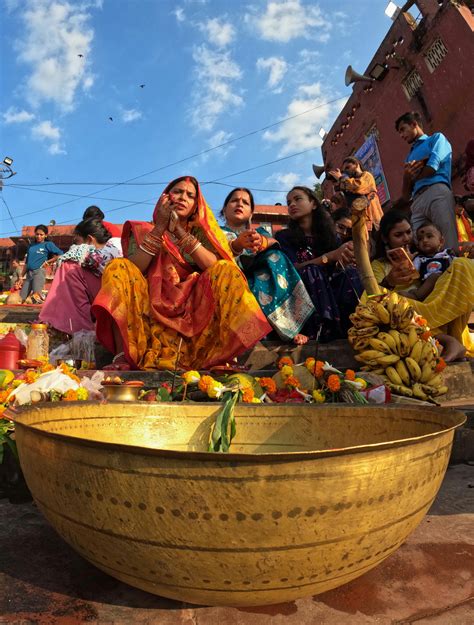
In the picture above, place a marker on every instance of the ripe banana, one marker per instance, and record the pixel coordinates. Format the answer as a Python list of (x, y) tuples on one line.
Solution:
[(413, 368), (435, 381), (403, 372), (413, 336), (418, 392), (381, 346), (387, 359), (395, 334), (404, 348), (416, 349), (393, 376), (392, 301), (400, 389), (426, 372), (381, 312), (388, 339)]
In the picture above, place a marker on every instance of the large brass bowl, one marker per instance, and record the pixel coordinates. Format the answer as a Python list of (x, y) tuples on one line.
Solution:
[(310, 498)]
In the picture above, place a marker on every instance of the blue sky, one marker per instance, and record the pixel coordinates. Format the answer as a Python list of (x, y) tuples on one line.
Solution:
[(213, 70)]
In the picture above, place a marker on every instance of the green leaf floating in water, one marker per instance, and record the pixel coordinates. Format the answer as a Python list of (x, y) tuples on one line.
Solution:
[(223, 430)]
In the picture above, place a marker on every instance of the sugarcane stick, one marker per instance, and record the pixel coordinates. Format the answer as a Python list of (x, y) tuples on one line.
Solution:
[(361, 247)]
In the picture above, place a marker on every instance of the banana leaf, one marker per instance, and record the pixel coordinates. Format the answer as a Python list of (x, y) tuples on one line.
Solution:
[(224, 428)]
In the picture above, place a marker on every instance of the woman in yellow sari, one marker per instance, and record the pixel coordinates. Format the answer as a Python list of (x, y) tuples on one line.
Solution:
[(448, 307), (179, 290)]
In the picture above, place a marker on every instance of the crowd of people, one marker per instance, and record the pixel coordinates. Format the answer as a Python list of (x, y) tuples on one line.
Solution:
[(183, 288)]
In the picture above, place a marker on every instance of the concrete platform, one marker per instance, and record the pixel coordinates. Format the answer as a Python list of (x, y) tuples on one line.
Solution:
[(428, 581)]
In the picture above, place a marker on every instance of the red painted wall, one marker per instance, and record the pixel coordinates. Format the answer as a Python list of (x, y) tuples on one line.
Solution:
[(445, 100)]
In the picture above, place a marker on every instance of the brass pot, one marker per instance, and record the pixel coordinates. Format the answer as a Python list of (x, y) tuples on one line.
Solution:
[(310, 497), (121, 392)]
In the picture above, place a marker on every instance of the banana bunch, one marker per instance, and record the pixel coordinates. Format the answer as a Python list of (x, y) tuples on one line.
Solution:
[(388, 342)]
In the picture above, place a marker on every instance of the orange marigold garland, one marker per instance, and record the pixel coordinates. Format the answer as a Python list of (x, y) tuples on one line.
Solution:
[(286, 360)]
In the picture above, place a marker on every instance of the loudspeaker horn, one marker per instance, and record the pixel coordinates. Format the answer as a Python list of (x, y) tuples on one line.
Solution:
[(353, 76), (52, 222), (319, 170)]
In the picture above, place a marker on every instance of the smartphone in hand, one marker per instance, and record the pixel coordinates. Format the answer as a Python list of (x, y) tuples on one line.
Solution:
[(399, 257)]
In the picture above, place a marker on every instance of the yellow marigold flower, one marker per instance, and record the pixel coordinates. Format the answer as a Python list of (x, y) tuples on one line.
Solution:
[(205, 382), (191, 377), (292, 382), (334, 383), (310, 364), (70, 395), (319, 397), (82, 394), (17, 383), (31, 376), (2, 408), (256, 400), (286, 371), (286, 360), (47, 367), (215, 389), (248, 395), (362, 382)]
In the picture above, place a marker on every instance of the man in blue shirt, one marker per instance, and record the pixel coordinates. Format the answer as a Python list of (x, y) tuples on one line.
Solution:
[(38, 254), (427, 178)]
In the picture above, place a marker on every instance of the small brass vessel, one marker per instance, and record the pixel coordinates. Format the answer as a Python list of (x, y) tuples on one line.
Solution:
[(121, 392), (309, 498)]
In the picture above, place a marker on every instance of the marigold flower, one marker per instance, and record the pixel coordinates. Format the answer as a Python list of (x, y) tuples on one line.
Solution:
[(70, 395), (31, 376), (82, 394), (191, 377), (350, 375), (334, 383), (215, 389), (268, 384), (319, 397), (292, 382), (248, 395), (318, 369), (286, 371), (2, 408), (310, 364), (256, 400), (3, 396), (426, 335), (421, 321), (286, 360), (205, 382), (47, 367), (440, 366)]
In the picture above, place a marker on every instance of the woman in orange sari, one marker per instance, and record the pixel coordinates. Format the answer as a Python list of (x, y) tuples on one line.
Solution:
[(179, 290)]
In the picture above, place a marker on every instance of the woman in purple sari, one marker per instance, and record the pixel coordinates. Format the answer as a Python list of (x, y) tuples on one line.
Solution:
[(326, 267)]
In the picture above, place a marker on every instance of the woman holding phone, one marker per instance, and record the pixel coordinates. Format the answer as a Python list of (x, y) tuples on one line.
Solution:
[(271, 275), (448, 307), (178, 298)]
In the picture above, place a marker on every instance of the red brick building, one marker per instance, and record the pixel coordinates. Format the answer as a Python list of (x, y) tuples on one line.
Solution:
[(426, 64), (271, 217)]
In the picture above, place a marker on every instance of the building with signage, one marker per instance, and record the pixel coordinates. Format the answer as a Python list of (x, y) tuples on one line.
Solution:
[(424, 64)]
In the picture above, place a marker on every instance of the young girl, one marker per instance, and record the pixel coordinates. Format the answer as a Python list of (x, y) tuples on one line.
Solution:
[(78, 278), (325, 265), (38, 255), (270, 274)]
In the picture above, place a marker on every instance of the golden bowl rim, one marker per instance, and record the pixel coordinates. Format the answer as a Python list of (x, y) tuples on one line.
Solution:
[(13, 413)]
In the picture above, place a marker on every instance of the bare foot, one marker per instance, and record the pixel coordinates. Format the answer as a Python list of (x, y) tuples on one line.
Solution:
[(452, 349), (301, 339)]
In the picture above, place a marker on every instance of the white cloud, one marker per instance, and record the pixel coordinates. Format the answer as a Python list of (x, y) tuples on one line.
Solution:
[(216, 75), (45, 131), (277, 68), (284, 181), (301, 133), (219, 33), (285, 20), (12, 116), (130, 115), (56, 33), (179, 14)]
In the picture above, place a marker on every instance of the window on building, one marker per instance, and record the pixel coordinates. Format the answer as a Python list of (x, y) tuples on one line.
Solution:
[(435, 54), (412, 83)]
